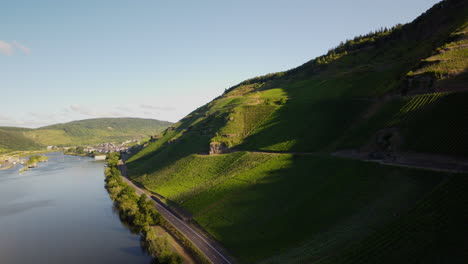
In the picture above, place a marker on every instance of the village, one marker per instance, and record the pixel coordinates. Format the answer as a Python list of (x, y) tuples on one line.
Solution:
[(97, 151), (100, 151), (110, 147)]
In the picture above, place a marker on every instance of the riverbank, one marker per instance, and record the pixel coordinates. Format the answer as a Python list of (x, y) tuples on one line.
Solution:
[(13, 158), (95, 155), (139, 213), (6, 167)]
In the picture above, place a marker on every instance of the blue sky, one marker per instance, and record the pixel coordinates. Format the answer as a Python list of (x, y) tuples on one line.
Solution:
[(67, 60)]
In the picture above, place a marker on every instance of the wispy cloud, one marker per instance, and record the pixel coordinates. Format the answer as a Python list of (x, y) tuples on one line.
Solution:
[(160, 108), (6, 48), (83, 110), (150, 114), (79, 112), (21, 47), (124, 108), (4, 118), (43, 116)]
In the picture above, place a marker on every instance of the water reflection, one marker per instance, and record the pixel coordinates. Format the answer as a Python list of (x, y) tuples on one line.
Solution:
[(11, 209)]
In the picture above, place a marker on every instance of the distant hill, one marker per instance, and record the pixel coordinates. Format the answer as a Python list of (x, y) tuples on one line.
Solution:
[(83, 132), (273, 189), (14, 139)]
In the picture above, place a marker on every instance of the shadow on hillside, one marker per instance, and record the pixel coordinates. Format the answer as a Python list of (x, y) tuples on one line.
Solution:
[(338, 202)]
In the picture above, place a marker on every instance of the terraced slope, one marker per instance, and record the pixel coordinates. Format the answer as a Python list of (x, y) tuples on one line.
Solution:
[(271, 192)]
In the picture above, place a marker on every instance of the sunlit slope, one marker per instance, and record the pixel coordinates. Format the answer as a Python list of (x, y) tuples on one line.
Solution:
[(83, 132), (13, 139), (275, 194), (93, 131)]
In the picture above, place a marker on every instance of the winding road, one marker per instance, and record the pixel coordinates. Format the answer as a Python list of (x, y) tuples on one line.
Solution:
[(207, 246)]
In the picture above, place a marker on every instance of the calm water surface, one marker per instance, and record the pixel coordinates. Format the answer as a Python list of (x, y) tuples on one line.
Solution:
[(61, 213)]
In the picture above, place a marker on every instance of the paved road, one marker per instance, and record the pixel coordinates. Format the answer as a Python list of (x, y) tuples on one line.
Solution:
[(209, 248)]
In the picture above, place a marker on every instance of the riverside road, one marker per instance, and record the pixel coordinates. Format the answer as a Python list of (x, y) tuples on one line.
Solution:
[(209, 248)]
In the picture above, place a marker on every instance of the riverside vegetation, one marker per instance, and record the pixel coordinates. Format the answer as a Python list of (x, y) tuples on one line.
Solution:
[(254, 167), (138, 212)]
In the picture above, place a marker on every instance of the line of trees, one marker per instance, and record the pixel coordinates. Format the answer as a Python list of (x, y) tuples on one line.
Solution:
[(138, 212)]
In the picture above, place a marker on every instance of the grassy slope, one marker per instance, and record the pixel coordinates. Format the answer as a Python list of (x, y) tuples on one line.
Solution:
[(296, 208)]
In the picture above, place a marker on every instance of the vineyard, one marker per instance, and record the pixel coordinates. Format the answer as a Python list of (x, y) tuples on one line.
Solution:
[(323, 122), (451, 59), (430, 231), (424, 122), (439, 126), (273, 194), (335, 198)]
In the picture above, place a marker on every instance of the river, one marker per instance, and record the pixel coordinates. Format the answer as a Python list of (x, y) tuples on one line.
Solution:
[(60, 212)]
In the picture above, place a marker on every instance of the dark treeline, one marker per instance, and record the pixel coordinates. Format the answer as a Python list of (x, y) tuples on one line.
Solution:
[(138, 212)]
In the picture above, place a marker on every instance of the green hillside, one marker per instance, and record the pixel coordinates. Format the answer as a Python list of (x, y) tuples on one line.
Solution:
[(13, 139), (83, 132), (255, 169), (93, 131)]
